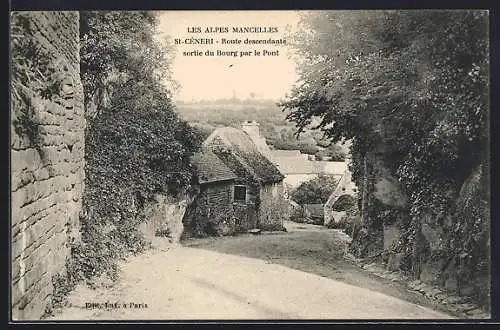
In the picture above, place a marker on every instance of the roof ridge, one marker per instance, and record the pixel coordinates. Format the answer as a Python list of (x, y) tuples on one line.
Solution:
[(245, 152), (240, 159)]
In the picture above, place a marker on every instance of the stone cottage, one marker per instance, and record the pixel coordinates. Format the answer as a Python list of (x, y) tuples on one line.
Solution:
[(240, 189)]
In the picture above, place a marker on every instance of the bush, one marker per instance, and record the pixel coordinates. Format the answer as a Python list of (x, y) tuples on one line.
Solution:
[(334, 152), (315, 191), (135, 147), (297, 217), (350, 222), (344, 203)]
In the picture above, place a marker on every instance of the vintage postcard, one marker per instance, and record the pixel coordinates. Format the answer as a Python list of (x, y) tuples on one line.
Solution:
[(250, 165)]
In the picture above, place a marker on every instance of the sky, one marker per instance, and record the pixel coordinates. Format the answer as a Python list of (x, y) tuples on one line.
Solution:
[(216, 77)]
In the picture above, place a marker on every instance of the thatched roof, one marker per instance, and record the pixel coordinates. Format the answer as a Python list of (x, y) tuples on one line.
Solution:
[(211, 168), (238, 152)]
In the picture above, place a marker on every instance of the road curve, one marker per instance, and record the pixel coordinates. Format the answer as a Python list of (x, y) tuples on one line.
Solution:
[(186, 283)]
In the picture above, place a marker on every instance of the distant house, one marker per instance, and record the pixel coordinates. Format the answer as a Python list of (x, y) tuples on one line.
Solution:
[(297, 168), (294, 165), (240, 189)]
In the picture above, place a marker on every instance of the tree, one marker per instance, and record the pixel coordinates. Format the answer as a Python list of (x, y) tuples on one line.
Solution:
[(414, 82), (136, 145), (315, 191), (117, 46), (334, 152)]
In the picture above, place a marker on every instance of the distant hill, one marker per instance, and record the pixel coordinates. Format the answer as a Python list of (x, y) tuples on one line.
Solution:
[(279, 133)]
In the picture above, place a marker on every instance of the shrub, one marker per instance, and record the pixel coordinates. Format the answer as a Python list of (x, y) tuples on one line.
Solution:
[(334, 152), (315, 191), (135, 144), (350, 222), (344, 203)]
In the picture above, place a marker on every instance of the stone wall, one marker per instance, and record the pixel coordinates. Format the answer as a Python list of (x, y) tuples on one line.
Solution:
[(47, 153), (212, 211), (383, 201), (273, 208)]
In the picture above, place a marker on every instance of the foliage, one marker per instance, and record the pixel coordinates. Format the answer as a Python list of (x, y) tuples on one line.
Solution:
[(117, 46), (344, 203), (413, 84), (32, 73), (350, 222), (315, 191), (333, 153), (136, 146), (279, 133)]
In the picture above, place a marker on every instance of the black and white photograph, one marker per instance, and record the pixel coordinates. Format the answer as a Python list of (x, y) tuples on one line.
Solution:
[(177, 165)]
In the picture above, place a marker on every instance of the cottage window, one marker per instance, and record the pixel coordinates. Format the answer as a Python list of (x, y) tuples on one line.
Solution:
[(240, 193)]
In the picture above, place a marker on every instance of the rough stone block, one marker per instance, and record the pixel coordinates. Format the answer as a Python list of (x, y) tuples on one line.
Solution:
[(388, 192), (30, 211), (28, 159), (17, 245), (36, 234), (17, 292), (18, 142), (451, 284), (16, 269), (27, 306), (56, 110), (32, 279), (37, 263), (37, 305), (21, 180), (40, 208), (17, 200), (47, 118), (467, 289), (164, 215), (394, 262), (42, 173)]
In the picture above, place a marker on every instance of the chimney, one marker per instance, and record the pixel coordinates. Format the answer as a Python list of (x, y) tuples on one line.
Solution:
[(252, 129)]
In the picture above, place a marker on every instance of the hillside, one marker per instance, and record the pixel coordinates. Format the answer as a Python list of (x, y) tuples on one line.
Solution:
[(279, 133)]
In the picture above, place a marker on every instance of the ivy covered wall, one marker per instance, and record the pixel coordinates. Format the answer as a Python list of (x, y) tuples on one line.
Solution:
[(47, 153)]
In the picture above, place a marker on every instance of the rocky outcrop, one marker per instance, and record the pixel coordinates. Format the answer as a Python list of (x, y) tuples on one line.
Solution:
[(451, 252), (163, 219)]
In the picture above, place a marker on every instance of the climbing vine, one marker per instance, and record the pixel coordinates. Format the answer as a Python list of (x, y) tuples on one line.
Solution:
[(135, 145), (32, 75)]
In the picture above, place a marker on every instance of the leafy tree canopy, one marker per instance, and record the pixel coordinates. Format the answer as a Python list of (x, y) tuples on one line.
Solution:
[(315, 191), (414, 81)]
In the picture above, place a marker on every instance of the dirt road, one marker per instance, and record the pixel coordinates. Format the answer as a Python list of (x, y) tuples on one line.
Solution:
[(296, 275)]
